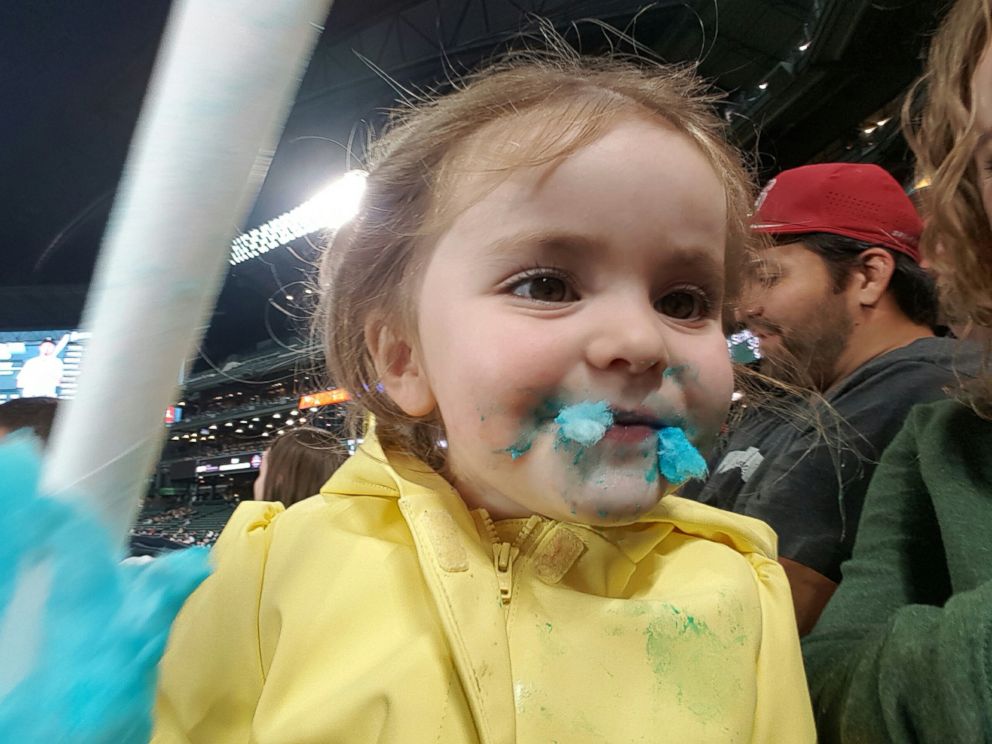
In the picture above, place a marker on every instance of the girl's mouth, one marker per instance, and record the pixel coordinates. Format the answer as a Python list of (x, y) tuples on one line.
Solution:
[(630, 427)]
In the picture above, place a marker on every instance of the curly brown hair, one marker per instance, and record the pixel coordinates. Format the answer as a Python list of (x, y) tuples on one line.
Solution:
[(372, 267), (957, 240)]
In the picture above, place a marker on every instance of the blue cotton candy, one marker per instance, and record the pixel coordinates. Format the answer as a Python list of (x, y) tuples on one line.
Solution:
[(678, 459), (81, 653), (584, 423)]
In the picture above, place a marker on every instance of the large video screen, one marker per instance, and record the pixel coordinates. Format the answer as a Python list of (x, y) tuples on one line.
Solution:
[(40, 363)]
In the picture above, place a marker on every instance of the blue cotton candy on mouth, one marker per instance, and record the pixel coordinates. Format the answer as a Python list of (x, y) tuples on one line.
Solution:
[(678, 460), (585, 423)]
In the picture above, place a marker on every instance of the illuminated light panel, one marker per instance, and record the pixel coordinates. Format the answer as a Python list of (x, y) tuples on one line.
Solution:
[(328, 210), (323, 398)]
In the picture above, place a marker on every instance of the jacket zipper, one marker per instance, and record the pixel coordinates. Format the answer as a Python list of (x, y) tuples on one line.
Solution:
[(505, 553)]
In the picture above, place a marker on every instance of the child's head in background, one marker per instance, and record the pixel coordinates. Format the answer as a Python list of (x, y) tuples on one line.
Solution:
[(556, 231), (37, 414), (297, 465)]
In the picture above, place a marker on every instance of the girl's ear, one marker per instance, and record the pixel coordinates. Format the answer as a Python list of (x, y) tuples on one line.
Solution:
[(399, 368)]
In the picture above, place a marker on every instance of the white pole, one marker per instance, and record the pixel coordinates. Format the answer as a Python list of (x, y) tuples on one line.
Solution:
[(226, 75)]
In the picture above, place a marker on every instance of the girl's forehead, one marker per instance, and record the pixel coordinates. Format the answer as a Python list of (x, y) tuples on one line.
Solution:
[(634, 187), (543, 134), (539, 138)]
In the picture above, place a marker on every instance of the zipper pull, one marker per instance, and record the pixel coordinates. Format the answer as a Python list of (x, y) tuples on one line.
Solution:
[(503, 556)]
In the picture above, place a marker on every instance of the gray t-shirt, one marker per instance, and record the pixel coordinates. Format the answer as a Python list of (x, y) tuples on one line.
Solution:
[(809, 483)]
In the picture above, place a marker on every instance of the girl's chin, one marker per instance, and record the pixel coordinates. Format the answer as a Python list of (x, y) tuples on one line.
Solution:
[(609, 506), (615, 517)]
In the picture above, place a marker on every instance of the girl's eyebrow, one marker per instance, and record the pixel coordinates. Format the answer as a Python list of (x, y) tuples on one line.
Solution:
[(560, 244), (548, 242), (695, 259)]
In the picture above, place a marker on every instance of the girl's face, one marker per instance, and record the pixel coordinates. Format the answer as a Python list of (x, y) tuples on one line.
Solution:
[(599, 278)]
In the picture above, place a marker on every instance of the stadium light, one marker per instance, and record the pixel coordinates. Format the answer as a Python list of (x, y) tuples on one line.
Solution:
[(331, 208)]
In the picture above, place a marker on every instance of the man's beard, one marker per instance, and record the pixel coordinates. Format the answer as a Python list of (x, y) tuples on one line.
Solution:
[(808, 358)]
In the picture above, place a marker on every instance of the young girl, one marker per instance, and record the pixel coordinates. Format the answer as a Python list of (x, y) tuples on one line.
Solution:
[(529, 308)]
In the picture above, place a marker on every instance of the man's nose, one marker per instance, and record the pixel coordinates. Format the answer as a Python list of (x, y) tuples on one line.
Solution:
[(750, 306)]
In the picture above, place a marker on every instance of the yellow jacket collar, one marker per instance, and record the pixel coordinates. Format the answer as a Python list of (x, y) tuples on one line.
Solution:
[(400, 474)]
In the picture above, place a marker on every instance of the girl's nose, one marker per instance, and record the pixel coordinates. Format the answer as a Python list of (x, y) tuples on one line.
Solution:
[(630, 337)]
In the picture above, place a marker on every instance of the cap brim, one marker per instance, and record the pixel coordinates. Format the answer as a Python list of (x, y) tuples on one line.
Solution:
[(786, 228)]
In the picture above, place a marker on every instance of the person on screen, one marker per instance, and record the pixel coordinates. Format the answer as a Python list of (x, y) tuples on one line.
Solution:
[(41, 376)]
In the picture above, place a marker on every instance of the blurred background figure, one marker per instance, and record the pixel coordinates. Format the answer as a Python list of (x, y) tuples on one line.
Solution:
[(297, 465), (900, 648), (843, 310), (36, 414)]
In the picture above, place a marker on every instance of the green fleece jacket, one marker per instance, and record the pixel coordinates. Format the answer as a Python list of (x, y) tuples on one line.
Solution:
[(903, 652)]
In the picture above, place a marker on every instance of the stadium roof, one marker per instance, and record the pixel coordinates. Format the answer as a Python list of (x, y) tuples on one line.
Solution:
[(814, 77)]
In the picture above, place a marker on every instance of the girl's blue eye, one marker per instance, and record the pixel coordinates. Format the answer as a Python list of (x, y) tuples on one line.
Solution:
[(684, 304), (544, 288)]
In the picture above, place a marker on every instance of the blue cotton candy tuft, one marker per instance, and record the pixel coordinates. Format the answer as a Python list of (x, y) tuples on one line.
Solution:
[(584, 423), (80, 634), (678, 459)]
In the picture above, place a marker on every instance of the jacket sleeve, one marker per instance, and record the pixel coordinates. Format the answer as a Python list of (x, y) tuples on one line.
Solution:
[(889, 659), (782, 708), (211, 674)]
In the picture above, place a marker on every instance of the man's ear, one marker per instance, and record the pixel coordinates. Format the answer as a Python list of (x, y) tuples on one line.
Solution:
[(399, 368), (872, 279)]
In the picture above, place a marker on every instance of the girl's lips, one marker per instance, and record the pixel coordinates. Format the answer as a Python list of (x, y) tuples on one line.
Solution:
[(629, 434)]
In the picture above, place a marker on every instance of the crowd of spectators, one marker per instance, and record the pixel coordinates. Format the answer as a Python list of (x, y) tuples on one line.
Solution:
[(185, 525), (236, 401)]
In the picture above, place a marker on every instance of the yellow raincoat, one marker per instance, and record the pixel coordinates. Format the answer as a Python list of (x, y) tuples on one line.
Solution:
[(382, 610)]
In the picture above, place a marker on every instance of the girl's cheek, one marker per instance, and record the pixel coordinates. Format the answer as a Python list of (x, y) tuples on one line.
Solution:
[(710, 397)]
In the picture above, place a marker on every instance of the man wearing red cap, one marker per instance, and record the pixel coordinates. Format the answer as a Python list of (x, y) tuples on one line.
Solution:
[(840, 305)]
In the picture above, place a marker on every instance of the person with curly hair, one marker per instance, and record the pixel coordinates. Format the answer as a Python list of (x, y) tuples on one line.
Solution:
[(902, 651)]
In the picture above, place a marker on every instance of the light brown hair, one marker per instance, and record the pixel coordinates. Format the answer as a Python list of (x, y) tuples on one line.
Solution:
[(373, 266), (299, 463), (957, 240)]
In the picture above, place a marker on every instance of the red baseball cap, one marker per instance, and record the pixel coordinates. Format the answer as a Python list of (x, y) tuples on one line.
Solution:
[(855, 200)]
